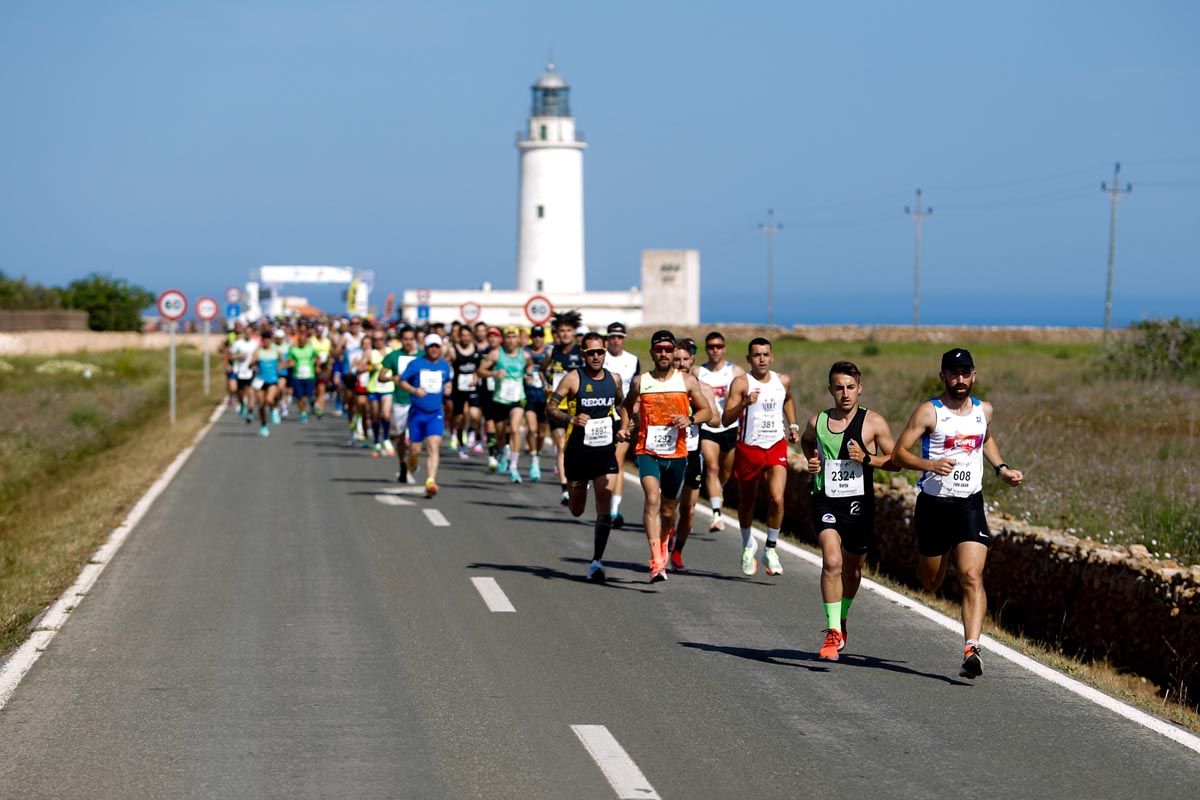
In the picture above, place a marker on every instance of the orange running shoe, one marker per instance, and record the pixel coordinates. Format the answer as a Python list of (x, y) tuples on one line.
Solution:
[(431, 487), (972, 665), (658, 570), (676, 564), (829, 649)]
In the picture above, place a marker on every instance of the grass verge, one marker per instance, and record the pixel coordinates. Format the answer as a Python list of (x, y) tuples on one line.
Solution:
[(75, 455)]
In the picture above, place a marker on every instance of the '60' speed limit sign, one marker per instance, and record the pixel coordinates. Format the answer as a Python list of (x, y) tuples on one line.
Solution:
[(539, 309), (172, 304)]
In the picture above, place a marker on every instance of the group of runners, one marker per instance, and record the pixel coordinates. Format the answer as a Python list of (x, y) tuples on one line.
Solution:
[(689, 426)]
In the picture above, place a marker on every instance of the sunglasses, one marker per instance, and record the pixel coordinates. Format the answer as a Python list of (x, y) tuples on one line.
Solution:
[(715, 346), (664, 348), (594, 351)]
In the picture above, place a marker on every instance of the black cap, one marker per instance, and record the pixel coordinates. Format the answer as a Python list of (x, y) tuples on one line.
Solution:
[(689, 345), (537, 330), (616, 329), (662, 336), (958, 357)]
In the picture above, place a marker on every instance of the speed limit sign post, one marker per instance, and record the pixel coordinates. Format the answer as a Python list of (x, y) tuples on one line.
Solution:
[(539, 309), (206, 310), (470, 311), (172, 305)]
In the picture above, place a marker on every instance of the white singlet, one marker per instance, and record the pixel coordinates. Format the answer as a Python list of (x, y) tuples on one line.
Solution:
[(243, 351), (957, 436), (624, 366), (762, 422), (719, 381)]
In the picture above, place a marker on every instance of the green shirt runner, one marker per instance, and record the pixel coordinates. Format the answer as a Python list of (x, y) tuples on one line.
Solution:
[(395, 362), (305, 357)]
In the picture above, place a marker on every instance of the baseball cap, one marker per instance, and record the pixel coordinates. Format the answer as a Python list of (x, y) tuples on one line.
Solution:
[(958, 357), (495, 330), (512, 329), (537, 330), (433, 340), (616, 329), (662, 336)]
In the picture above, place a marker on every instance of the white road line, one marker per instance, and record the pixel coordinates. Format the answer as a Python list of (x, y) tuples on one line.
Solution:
[(25, 656), (495, 598), (393, 500), (436, 518), (1162, 727), (622, 774)]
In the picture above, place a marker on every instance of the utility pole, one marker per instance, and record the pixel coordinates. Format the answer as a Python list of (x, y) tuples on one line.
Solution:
[(770, 229), (918, 213), (1115, 191)]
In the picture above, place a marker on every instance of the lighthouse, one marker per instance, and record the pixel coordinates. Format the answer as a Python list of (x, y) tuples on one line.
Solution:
[(550, 205)]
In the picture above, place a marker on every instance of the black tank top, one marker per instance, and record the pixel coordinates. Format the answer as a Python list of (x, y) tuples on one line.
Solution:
[(852, 433), (597, 397), (466, 364)]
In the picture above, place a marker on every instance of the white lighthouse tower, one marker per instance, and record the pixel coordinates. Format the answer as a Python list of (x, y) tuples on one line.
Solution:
[(550, 206)]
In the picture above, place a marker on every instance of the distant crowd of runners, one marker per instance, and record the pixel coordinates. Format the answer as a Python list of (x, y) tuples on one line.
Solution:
[(688, 425)]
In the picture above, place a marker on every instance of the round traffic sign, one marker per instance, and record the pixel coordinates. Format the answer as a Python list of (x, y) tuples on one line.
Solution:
[(233, 295), (172, 304), (539, 309), (471, 312), (206, 308), (423, 296)]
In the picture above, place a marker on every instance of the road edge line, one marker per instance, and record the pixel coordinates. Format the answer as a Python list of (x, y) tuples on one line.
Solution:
[(26, 655)]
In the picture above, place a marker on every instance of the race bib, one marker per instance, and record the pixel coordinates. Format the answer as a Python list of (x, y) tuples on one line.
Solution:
[(256, 384), (535, 380), (693, 438), (598, 432), (662, 439), (466, 381), (843, 478), (490, 384), (510, 391), (432, 380), (960, 480), (304, 371)]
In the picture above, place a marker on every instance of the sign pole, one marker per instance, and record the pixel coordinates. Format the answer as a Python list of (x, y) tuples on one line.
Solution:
[(207, 324), (171, 337)]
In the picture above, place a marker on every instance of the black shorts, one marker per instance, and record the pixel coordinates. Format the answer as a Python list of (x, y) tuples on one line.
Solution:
[(945, 522), (460, 400), (693, 476), (853, 520), (498, 412), (244, 383), (557, 424), (584, 464), (726, 440), (538, 407)]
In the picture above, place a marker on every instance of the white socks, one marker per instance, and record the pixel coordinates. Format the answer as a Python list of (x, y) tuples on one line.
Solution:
[(616, 503), (772, 535)]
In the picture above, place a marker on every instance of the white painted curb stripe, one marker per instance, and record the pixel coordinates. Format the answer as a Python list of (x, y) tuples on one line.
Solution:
[(622, 774), (28, 653), (436, 517), (493, 595)]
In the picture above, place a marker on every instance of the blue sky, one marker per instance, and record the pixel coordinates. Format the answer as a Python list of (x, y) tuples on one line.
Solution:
[(183, 144)]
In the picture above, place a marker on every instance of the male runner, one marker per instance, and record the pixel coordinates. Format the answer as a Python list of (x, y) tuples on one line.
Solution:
[(762, 399), (624, 365), (379, 395), (465, 400), (266, 381), (717, 440), (666, 401), (593, 400), (955, 430), (564, 358), (393, 365), (536, 424), (323, 346), (303, 361), (427, 379), (685, 354), (241, 354), (508, 365), (844, 446)]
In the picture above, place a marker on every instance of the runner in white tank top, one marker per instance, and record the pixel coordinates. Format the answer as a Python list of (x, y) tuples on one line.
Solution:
[(717, 441), (623, 365), (763, 400), (955, 434)]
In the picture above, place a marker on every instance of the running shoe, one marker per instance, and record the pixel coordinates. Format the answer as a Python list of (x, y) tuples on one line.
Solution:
[(595, 572), (618, 521), (303, 417), (749, 562), (845, 636), (772, 559), (502, 464), (431, 487), (514, 476), (366, 443), (831, 645), (676, 563), (492, 464), (477, 448), (402, 475), (463, 455), (377, 450), (274, 416), (249, 418), (388, 447), (454, 441), (565, 499), (717, 524), (264, 431), (535, 472), (972, 665), (658, 571)]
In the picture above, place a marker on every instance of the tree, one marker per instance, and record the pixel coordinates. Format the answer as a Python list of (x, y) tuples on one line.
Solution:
[(19, 293), (112, 304)]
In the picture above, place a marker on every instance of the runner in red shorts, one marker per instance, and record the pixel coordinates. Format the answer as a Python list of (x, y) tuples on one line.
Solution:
[(762, 401)]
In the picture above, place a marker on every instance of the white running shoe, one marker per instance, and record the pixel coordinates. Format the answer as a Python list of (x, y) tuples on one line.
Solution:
[(749, 562), (772, 559), (718, 522)]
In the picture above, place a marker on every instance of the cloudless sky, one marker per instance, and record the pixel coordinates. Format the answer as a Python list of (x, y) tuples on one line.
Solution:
[(184, 144)]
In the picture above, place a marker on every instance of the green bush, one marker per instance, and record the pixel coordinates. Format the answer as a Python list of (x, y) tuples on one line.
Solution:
[(1168, 349), (112, 304)]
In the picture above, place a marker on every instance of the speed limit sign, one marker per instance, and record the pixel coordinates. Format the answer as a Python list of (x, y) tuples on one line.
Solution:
[(233, 295), (172, 304), (539, 309), (423, 296), (206, 309), (470, 311)]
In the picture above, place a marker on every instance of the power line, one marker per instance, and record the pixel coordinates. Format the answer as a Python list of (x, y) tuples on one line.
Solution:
[(1114, 192), (918, 212)]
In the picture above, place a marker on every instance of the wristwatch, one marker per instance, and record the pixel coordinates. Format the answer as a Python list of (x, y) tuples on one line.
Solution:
[(866, 459)]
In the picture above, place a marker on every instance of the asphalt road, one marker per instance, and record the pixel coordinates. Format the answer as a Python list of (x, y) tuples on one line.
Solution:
[(284, 623)]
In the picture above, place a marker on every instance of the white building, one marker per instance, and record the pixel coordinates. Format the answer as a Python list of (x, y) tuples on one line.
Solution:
[(550, 260)]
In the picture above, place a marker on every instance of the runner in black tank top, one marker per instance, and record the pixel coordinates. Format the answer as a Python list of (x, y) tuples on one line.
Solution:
[(464, 398)]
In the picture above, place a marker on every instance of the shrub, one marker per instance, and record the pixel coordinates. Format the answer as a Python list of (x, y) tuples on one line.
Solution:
[(1155, 349)]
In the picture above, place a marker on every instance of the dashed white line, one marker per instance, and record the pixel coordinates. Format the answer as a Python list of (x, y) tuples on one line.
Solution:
[(393, 500), (436, 518), (622, 774), (493, 596)]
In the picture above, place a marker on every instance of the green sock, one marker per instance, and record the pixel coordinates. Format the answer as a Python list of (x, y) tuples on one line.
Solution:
[(846, 603), (833, 615)]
